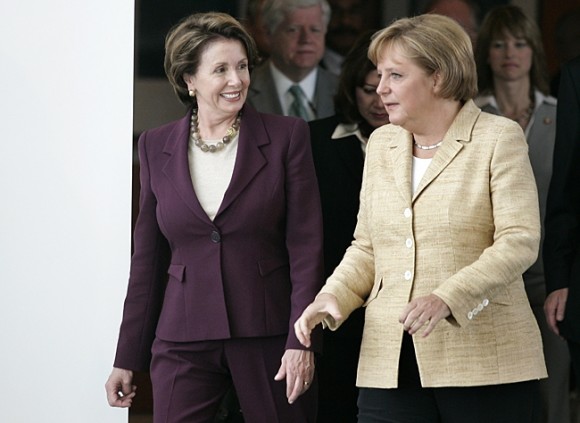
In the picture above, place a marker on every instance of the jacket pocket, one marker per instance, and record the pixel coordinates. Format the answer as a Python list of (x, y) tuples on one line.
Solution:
[(502, 297), (374, 292), (267, 266), (176, 271)]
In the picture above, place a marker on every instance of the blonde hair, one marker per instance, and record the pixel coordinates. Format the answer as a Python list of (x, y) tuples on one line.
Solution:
[(437, 44)]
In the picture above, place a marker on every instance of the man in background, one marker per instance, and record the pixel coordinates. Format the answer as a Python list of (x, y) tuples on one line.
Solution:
[(349, 19), (292, 82)]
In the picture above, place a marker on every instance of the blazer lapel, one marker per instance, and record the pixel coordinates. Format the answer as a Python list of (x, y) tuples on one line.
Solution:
[(249, 159), (401, 153), (177, 166), (444, 156), (458, 133)]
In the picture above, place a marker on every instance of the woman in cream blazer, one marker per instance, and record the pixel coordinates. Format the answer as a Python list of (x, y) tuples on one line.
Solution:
[(448, 222)]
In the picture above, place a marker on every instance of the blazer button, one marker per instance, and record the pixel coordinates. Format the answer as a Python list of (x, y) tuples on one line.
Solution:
[(215, 237)]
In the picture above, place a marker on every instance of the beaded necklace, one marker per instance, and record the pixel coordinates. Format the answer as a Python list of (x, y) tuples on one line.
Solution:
[(195, 136)]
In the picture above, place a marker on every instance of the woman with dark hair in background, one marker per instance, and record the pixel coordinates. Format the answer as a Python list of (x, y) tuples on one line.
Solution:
[(338, 147), (513, 82)]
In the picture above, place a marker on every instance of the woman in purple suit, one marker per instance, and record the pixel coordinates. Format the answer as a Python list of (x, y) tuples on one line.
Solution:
[(228, 244)]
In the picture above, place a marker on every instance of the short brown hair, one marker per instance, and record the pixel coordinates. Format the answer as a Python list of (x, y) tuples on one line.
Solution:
[(437, 44), (504, 20), (186, 42)]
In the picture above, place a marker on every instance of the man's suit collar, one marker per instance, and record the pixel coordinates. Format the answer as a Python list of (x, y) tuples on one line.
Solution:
[(283, 83), (264, 96)]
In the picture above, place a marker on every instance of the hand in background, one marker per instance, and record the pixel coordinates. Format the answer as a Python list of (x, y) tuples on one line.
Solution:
[(555, 307)]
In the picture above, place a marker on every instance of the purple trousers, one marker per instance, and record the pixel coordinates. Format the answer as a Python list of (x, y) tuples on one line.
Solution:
[(189, 380)]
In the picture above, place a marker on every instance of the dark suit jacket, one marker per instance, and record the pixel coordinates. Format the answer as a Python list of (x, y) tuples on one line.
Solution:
[(250, 272), (339, 168), (562, 242), (264, 97)]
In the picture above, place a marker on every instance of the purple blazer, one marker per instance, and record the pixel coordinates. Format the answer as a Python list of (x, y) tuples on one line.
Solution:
[(250, 272)]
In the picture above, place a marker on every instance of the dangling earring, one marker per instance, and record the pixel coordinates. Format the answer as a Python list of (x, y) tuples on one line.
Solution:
[(191, 93)]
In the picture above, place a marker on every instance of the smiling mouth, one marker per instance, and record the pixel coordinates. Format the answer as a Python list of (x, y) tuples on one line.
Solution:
[(230, 96)]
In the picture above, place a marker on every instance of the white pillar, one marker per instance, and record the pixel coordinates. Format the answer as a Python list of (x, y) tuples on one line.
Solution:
[(65, 200)]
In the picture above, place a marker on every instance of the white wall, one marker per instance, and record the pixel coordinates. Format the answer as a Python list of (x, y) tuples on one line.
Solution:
[(65, 169)]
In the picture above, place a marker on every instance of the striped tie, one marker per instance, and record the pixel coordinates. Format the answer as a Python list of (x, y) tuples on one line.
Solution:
[(297, 107)]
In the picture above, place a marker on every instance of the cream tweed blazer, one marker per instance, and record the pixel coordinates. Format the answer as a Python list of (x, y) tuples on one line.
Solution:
[(467, 235)]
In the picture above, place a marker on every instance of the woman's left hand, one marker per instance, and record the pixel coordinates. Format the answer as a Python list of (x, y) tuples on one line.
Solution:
[(428, 310), (298, 370)]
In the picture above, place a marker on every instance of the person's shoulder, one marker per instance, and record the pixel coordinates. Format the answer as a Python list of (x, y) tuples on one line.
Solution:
[(495, 123), (573, 64), (491, 130), (383, 139), (259, 73), (544, 101), (326, 78), (385, 135), (321, 130), (161, 132), (272, 121), (546, 110), (387, 130), (326, 123), (485, 101)]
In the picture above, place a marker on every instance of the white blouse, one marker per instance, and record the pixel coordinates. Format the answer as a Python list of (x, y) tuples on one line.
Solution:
[(211, 173)]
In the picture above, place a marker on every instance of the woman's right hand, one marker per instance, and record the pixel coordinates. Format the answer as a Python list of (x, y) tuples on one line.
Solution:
[(324, 305), (119, 387)]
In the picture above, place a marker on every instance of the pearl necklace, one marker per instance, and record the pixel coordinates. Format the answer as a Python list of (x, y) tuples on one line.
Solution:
[(195, 137), (427, 147)]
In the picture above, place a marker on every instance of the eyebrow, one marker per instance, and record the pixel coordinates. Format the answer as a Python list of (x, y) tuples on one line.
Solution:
[(226, 63)]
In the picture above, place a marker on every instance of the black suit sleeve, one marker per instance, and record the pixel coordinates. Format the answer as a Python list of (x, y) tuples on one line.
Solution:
[(562, 223)]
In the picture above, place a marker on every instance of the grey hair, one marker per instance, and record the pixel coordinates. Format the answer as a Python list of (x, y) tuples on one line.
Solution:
[(275, 11)]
